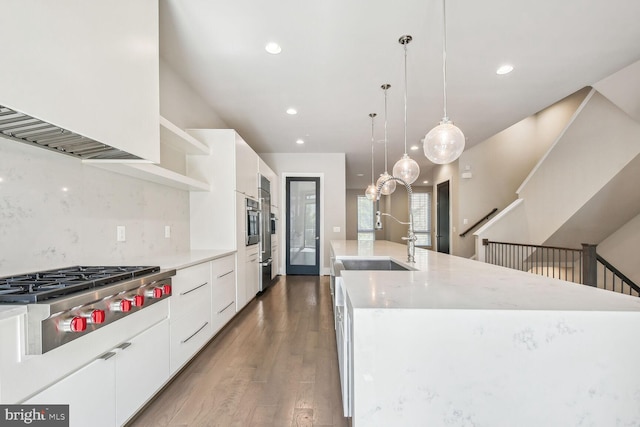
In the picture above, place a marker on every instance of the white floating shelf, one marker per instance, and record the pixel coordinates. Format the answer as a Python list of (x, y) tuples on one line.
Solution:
[(150, 172), (172, 135)]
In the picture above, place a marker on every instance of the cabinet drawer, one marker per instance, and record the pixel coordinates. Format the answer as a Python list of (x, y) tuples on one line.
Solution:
[(189, 334), (223, 298), (191, 286), (223, 267)]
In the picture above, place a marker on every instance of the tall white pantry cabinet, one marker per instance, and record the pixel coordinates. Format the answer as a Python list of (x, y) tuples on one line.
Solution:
[(218, 217)]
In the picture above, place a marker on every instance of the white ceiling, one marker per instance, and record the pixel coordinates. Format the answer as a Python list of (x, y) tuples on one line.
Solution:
[(337, 53)]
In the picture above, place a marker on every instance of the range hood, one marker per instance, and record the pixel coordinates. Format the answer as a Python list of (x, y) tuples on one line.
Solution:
[(24, 128)]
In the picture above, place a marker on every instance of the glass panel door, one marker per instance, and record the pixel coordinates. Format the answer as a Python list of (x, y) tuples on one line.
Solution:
[(303, 225)]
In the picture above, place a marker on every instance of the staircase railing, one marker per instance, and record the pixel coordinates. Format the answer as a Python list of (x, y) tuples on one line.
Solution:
[(480, 221), (575, 265), (605, 270)]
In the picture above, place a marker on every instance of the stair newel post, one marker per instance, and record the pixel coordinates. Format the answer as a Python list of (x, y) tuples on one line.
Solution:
[(589, 265)]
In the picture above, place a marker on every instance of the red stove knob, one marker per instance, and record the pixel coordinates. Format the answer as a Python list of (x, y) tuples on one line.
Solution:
[(154, 293), (138, 300), (166, 289), (121, 305), (73, 324), (95, 316), (98, 316)]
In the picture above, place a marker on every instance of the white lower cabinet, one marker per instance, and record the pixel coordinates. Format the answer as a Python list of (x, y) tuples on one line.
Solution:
[(142, 367), (109, 390), (343, 343), (252, 269), (89, 392), (190, 313), (223, 291)]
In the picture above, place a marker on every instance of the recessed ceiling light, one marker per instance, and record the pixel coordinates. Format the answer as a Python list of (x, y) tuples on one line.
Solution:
[(292, 111), (414, 147), (273, 48), (299, 141), (504, 69), (425, 182), (359, 174)]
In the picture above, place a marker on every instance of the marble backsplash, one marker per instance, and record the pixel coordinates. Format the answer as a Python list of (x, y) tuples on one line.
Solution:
[(55, 212)]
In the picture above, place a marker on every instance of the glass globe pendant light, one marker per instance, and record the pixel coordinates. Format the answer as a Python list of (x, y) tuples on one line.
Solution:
[(445, 142), (372, 189), (390, 186), (406, 168)]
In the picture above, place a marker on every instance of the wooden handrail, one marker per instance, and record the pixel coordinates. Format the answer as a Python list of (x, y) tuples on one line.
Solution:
[(484, 218)]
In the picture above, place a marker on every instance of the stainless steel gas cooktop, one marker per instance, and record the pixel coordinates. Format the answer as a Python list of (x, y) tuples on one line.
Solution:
[(68, 303)]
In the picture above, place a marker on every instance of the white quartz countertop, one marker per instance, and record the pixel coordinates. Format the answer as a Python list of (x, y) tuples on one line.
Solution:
[(175, 261), (448, 282), (182, 260)]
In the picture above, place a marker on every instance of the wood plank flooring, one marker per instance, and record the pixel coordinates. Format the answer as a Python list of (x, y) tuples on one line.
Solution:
[(274, 364)]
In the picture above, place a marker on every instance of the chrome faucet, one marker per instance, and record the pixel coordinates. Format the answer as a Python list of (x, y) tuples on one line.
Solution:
[(411, 237)]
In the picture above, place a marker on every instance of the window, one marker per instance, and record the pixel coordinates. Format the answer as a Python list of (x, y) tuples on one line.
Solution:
[(421, 203), (366, 216)]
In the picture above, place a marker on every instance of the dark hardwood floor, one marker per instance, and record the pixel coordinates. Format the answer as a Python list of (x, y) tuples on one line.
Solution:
[(274, 364)]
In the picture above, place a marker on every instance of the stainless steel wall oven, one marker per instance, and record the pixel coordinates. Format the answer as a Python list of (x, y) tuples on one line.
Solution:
[(253, 222)]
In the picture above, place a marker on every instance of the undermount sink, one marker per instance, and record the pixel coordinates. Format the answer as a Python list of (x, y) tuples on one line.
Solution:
[(372, 264)]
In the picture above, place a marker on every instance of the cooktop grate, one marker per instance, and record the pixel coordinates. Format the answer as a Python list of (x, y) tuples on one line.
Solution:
[(45, 285)]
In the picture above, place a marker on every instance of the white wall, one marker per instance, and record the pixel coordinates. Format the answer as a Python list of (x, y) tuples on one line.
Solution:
[(183, 106), (500, 164), (332, 168), (596, 146), (621, 249)]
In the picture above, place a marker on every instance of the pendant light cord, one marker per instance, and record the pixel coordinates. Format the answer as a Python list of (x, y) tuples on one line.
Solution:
[(372, 115), (385, 87), (444, 58), (405, 98)]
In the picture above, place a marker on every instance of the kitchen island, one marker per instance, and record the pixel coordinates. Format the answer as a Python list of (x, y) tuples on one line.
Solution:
[(459, 342)]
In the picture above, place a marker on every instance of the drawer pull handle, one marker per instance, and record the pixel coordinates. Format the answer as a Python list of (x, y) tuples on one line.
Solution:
[(227, 306), (124, 345), (191, 290), (107, 355), (195, 333), (225, 274)]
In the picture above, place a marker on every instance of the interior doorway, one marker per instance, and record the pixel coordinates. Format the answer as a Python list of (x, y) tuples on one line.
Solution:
[(442, 218), (303, 225)]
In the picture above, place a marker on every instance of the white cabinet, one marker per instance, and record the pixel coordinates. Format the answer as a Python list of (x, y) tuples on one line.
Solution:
[(231, 169), (190, 313), (79, 72), (239, 169), (98, 380), (142, 367), (246, 169), (253, 272), (268, 173), (275, 255), (109, 390), (223, 292), (342, 342), (247, 277)]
